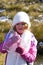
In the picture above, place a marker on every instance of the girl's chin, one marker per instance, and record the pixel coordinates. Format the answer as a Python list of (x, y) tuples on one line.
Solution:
[(20, 32)]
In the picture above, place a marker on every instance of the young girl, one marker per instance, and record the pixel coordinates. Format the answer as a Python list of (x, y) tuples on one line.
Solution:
[(21, 45)]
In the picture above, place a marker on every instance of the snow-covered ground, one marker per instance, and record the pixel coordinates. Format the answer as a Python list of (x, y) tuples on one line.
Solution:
[(2, 10), (4, 19)]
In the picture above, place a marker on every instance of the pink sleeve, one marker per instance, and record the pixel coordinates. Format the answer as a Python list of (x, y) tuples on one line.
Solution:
[(30, 56), (2, 51)]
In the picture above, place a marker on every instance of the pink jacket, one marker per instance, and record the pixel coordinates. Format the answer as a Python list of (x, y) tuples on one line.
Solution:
[(29, 56)]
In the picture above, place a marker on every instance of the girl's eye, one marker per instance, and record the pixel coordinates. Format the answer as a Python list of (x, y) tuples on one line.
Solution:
[(23, 23), (17, 24)]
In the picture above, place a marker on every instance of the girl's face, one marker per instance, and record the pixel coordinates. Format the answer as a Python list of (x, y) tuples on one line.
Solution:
[(20, 27)]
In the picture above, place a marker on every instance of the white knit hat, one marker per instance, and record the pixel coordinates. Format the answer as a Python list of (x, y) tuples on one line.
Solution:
[(21, 17)]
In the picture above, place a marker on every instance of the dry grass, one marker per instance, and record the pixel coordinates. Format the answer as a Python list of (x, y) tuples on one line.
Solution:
[(2, 59)]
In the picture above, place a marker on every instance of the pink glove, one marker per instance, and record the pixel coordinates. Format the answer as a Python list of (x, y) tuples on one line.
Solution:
[(20, 50)]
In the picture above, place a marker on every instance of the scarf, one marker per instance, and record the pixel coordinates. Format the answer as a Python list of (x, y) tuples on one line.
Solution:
[(25, 40)]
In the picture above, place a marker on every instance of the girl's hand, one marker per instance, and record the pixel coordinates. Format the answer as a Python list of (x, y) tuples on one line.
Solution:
[(19, 50)]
